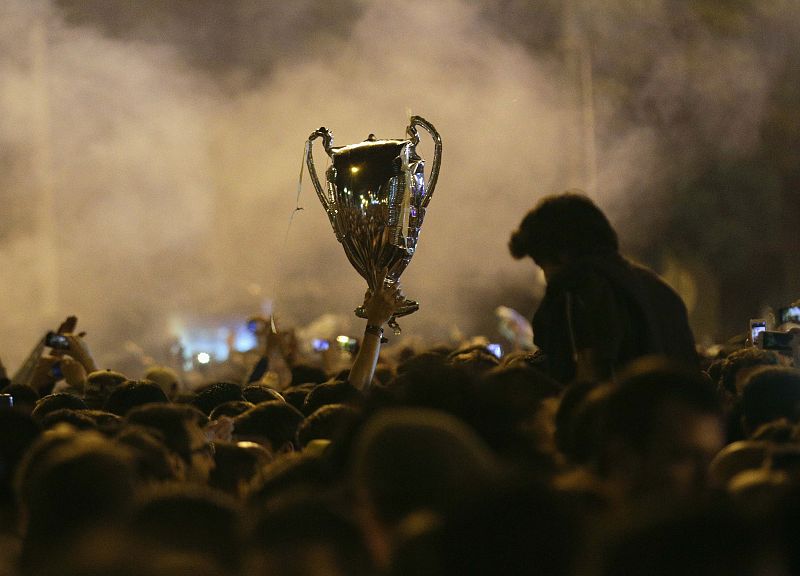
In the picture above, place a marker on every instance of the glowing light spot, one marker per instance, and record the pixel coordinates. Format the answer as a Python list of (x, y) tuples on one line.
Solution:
[(203, 358), (354, 169), (342, 339)]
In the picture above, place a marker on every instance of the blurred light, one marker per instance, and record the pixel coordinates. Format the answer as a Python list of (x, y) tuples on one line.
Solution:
[(245, 339), (343, 339), (354, 169), (250, 445), (203, 358), (320, 345), (495, 349)]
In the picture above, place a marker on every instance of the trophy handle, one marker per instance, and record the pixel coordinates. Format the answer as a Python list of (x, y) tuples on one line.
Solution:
[(437, 153), (327, 140)]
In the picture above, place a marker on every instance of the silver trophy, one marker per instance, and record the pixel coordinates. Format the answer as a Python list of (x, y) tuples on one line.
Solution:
[(375, 199)]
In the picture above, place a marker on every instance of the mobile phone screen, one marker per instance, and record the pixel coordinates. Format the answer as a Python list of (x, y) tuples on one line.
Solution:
[(790, 314), (756, 328), (56, 341)]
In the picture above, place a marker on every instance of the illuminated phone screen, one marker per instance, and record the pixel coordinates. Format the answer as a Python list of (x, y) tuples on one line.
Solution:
[(756, 328), (790, 314)]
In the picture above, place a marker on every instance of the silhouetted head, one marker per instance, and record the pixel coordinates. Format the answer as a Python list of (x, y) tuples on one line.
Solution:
[(412, 459), (217, 393), (166, 378), (661, 429), (738, 365), (99, 385), (305, 535), (181, 427), (326, 423), (771, 393), (82, 483), (337, 392), (149, 455), (238, 466), (134, 393), (78, 419), (562, 228), (191, 520), (272, 424), (258, 393), (231, 409), (53, 402)]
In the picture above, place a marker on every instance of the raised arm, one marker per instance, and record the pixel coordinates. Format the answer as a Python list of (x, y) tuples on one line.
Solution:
[(380, 308)]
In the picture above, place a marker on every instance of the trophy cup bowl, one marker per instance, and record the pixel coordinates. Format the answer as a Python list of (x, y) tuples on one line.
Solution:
[(375, 199)]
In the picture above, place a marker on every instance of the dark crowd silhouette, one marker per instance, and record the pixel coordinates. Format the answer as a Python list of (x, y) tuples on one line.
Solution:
[(611, 445)]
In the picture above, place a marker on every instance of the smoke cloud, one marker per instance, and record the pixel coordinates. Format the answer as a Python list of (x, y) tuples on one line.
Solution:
[(150, 170)]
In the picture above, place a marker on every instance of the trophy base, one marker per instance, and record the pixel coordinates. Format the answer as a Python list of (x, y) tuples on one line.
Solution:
[(406, 308)]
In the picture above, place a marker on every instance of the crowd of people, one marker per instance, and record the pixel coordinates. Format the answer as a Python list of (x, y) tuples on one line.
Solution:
[(613, 448)]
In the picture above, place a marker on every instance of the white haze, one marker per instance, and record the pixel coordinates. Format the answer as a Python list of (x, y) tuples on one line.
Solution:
[(172, 195)]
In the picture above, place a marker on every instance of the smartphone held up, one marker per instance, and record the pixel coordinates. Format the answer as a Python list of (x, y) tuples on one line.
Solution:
[(56, 341), (757, 326)]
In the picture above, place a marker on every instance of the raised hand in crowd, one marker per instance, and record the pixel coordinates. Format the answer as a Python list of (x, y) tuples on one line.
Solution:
[(72, 364), (380, 308), (79, 350)]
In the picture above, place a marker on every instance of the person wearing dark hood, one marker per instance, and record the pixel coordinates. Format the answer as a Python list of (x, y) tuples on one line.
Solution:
[(600, 310)]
